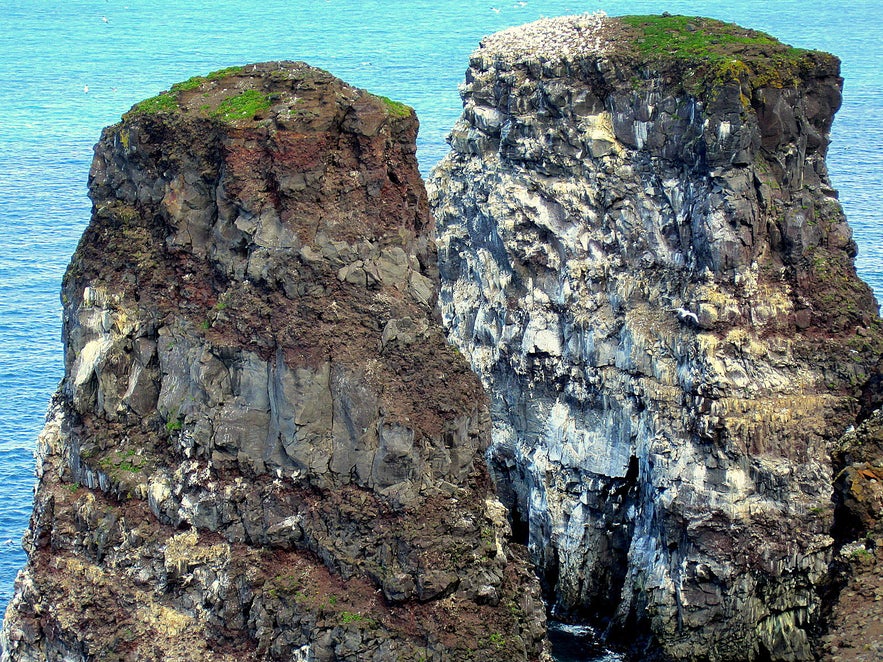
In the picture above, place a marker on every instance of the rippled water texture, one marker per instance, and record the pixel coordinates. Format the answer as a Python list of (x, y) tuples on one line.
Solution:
[(412, 51)]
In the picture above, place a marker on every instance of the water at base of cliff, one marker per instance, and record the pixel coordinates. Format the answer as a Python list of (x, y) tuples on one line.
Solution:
[(578, 643)]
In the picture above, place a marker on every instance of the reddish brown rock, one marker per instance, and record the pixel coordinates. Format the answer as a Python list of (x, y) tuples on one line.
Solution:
[(263, 447), (854, 618)]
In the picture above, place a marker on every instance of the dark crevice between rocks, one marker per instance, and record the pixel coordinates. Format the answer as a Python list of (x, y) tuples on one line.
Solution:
[(620, 532), (763, 654), (829, 592), (597, 612), (520, 526), (576, 643), (855, 518), (872, 394), (602, 605)]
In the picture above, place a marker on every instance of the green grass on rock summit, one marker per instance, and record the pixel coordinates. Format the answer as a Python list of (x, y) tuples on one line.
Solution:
[(715, 53), (235, 94)]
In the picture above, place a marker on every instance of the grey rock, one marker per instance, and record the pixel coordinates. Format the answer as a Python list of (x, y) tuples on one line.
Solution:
[(632, 269)]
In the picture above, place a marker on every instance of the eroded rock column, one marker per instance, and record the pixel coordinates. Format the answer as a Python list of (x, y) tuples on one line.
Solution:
[(644, 260), (263, 447)]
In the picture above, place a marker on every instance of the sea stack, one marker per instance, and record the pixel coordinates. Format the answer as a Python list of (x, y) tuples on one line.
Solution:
[(263, 447), (644, 260)]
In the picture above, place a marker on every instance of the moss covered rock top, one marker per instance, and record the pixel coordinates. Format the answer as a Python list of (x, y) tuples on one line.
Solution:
[(715, 52), (704, 52), (262, 93)]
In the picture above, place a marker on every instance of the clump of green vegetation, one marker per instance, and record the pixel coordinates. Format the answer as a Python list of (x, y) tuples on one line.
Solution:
[(189, 84), (161, 103), (354, 617), (120, 461), (167, 102), (496, 640), (719, 52), (244, 105), (395, 108), (861, 555), (174, 424), (284, 585), (195, 81), (689, 37), (226, 71)]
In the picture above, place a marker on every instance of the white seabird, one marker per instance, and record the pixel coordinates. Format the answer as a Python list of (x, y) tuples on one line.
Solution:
[(686, 315)]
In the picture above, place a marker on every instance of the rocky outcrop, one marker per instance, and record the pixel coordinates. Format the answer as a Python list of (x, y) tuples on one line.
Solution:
[(855, 618), (263, 447), (643, 258)]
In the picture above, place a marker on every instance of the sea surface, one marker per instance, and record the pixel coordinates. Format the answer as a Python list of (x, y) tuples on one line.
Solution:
[(69, 68)]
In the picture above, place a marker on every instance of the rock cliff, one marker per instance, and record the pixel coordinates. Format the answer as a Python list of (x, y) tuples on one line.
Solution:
[(644, 260), (263, 447), (855, 621)]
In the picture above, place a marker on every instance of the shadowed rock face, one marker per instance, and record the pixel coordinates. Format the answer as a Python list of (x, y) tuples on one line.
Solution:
[(643, 258), (855, 615), (263, 447)]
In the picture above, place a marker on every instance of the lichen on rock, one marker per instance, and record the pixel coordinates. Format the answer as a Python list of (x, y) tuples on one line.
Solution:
[(263, 446), (643, 258)]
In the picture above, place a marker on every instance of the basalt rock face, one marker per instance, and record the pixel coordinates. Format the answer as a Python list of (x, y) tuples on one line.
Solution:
[(855, 621), (263, 447), (643, 258)]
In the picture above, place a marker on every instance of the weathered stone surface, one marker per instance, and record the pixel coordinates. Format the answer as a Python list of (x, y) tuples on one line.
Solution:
[(263, 447), (643, 258), (855, 615)]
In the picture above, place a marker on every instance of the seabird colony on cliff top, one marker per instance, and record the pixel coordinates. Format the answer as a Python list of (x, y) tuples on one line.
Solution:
[(550, 39)]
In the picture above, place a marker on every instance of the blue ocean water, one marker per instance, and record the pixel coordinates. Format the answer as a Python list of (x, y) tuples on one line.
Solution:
[(70, 68)]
